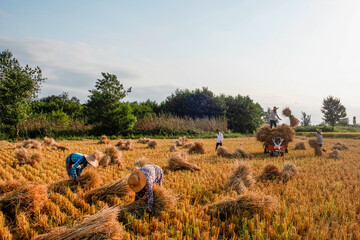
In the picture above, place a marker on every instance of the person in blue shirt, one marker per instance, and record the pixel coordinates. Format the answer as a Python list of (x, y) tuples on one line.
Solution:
[(77, 162)]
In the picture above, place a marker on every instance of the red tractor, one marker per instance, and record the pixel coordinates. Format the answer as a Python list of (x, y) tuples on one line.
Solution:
[(277, 149)]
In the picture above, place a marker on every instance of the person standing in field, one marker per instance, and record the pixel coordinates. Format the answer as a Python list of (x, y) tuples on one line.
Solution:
[(319, 137), (274, 117), (142, 180), (219, 139), (77, 162)]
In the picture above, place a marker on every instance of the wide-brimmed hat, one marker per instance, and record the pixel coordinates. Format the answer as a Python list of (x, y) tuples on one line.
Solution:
[(92, 159), (137, 180), (276, 107), (318, 130)]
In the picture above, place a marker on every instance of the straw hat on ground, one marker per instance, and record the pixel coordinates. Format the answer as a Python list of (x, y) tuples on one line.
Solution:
[(137, 180), (92, 159)]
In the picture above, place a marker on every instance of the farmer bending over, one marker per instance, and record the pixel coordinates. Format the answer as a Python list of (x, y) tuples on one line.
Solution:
[(141, 181), (274, 117), (219, 139), (76, 162)]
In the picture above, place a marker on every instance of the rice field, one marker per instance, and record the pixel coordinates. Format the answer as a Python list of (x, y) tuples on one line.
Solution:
[(320, 202)]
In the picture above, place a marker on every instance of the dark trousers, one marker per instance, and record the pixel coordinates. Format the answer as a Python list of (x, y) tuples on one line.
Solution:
[(272, 122), (217, 144)]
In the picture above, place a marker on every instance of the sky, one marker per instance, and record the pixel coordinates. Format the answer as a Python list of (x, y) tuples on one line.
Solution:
[(286, 53)]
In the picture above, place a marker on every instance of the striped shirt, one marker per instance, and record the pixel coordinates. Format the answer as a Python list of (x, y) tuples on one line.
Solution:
[(75, 164)]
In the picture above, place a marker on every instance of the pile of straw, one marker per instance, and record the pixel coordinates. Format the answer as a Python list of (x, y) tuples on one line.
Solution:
[(153, 144), (179, 161), (120, 142), (188, 145), (265, 134), (144, 140), (288, 171), (300, 146), (100, 226), (29, 197), (223, 152), (25, 157), (127, 145), (50, 142), (241, 178), (173, 148), (112, 156), (314, 144), (339, 146), (118, 188), (293, 120), (247, 203), (335, 154), (30, 143), (104, 140), (270, 172), (240, 153), (197, 148), (9, 186), (86, 181), (164, 200), (141, 162)]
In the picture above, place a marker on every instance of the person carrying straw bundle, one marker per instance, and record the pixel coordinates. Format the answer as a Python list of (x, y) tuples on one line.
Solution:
[(219, 139), (77, 162), (141, 181), (274, 117)]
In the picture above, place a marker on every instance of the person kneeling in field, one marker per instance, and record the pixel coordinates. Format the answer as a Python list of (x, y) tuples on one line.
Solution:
[(76, 162), (141, 181)]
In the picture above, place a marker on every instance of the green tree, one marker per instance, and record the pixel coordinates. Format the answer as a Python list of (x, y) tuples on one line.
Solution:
[(18, 87), (105, 109), (142, 109), (334, 112), (305, 119)]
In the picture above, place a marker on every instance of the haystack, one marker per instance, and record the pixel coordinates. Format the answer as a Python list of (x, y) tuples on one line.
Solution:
[(86, 181), (141, 162), (127, 145), (248, 203), (240, 179), (265, 134), (173, 148), (270, 172), (25, 157), (144, 140), (240, 153), (112, 156), (288, 171), (118, 188), (100, 226), (197, 148), (30, 198), (339, 146), (164, 200), (9, 186), (50, 142), (223, 152), (30, 143), (104, 140), (293, 120), (300, 146), (314, 144), (188, 145), (153, 144), (335, 154), (119, 143), (179, 161)]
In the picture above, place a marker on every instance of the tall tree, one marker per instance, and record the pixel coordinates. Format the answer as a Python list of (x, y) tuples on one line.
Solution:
[(334, 112), (305, 119), (18, 87), (105, 109)]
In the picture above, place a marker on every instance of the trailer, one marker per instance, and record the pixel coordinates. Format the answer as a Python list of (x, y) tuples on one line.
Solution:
[(277, 149)]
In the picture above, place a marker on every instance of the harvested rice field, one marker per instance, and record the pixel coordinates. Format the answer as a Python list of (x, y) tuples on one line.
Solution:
[(318, 200)]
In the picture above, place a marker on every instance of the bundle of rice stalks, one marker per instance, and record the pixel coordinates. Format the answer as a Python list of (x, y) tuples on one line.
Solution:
[(197, 148), (24, 157), (153, 144), (173, 148), (118, 188), (286, 112), (240, 179), (50, 142), (270, 172), (300, 146), (223, 152), (120, 142), (265, 134), (141, 162), (105, 161), (30, 143), (240, 153), (9, 186), (104, 140), (248, 203), (100, 226), (128, 145), (339, 146), (29, 198), (188, 145), (86, 181), (288, 171), (164, 200), (335, 154), (181, 141), (115, 155), (144, 140), (314, 144), (293, 120), (179, 161)]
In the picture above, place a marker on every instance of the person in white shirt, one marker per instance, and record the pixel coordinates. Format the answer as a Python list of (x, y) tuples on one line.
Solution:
[(273, 117), (220, 138)]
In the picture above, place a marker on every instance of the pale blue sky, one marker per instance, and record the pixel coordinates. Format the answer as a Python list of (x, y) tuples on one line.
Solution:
[(283, 53)]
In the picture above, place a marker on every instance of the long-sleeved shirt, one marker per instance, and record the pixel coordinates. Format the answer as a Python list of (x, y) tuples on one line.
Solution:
[(220, 137), (75, 164), (153, 174), (319, 138)]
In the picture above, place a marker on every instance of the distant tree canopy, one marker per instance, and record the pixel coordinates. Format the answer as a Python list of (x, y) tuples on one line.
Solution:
[(334, 112), (305, 119), (199, 103), (18, 86), (143, 109)]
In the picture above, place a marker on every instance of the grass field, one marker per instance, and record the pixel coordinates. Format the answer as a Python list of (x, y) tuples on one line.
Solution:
[(321, 202)]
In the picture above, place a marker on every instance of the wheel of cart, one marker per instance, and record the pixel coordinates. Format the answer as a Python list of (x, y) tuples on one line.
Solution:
[(277, 149)]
